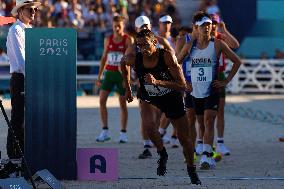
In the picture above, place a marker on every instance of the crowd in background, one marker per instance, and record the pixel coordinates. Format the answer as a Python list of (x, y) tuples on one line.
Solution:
[(95, 13), (93, 18)]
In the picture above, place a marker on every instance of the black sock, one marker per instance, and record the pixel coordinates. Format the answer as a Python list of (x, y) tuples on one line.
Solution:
[(163, 152), (105, 128), (123, 130)]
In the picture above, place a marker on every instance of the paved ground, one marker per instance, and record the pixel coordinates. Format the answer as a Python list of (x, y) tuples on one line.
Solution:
[(256, 162)]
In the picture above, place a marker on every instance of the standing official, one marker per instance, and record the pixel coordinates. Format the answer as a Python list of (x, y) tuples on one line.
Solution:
[(24, 11)]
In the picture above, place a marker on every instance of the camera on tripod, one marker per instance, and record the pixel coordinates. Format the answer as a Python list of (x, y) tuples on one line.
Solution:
[(10, 168)]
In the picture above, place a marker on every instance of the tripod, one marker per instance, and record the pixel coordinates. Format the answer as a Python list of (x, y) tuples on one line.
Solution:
[(24, 161)]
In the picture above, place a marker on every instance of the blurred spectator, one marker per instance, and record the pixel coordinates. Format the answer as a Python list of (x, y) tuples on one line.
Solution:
[(281, 139), (279, 54), (9, 6), (209, 6), (3, 55), (174, 34), (4, 59), (90, 16), (183, 31), (263, 55), (2, 8)]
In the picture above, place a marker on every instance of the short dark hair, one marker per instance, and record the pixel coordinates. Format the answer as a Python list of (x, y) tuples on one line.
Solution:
[(118, 18), (174, 32), (145, 33), (199, 15), (185, 28)]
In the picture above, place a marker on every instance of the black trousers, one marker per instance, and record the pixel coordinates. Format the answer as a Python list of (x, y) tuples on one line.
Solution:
[(17, 115)]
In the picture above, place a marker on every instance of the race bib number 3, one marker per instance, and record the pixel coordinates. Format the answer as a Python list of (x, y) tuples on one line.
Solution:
[(154, 90), (201, 74), (114, 58)]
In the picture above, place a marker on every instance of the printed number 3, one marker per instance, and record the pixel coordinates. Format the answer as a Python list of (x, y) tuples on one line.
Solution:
[(201, 72)]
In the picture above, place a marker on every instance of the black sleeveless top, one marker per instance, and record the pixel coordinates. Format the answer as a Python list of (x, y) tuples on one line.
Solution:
[(160, 72)]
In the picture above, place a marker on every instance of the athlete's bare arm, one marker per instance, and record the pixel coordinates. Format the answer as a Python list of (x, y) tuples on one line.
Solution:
[(231, 41), (103, 61), (129, 45), (178, 83), (187, 46), (165, 44), (184, 51), (221, 46), (180, 43), (128, 60)]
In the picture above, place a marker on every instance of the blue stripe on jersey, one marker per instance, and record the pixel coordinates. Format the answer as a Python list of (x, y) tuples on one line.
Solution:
[(187, 38), (187, 75)]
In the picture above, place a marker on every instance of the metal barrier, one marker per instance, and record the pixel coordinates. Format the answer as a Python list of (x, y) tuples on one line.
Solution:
[(80, 77), (254, 76), (85, 81), (258, 76)]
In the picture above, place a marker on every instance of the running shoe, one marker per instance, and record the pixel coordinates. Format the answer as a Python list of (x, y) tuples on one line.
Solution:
[(145, 154), (162, 163), (199, 149), (217, 157), (104, 136), (193, 175), (207, 163), (174, 142), (123, 137), (166, 139), (222, 149)]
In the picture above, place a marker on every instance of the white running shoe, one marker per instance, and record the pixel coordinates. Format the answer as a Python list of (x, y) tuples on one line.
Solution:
[(221, 149), (104, 136), (166, 139), (207, 163), (122, 137), (174, 142), (213, 163), (199, 149)]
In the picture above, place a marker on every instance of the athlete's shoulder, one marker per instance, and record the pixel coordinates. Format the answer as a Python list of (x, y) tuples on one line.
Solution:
[(168, 55)]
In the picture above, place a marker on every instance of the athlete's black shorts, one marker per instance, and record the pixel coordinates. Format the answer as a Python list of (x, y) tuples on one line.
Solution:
[(208, 103), (171, 104), (188, 100)]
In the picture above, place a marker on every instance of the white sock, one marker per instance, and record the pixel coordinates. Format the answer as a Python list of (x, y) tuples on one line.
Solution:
[(162, 131), (207, 148), (147, 142)]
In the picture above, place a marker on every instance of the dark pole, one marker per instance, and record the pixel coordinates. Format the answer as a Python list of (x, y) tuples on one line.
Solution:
[(18, 146)]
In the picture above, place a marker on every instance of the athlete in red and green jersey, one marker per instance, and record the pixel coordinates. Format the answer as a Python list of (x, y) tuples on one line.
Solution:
[(114, 49)]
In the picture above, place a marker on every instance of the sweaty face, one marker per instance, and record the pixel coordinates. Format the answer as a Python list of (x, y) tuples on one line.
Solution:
[(146, 45), (214, 28), (165, 27), (205, 29), (118, 27), (145, 26)]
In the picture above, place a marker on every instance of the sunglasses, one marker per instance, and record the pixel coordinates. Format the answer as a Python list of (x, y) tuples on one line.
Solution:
[(31, 9)]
